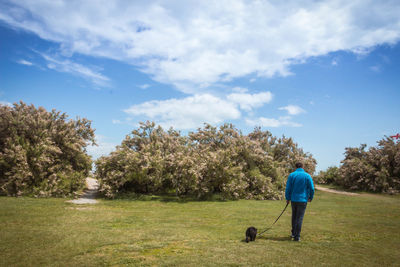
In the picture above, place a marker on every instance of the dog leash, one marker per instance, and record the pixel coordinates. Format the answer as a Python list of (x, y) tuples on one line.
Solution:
[(287, 204)]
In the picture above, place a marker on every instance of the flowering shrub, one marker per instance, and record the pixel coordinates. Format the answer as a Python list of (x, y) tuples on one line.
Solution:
[(327, 177), (209, 161), (376, 170), (41, 153)]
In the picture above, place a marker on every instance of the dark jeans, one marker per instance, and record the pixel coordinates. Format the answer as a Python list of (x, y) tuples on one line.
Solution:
[(298, 210)]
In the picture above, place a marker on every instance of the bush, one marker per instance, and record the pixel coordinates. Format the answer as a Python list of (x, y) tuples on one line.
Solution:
[(209, 161), (375, 170), (41, 153), (329, 176)]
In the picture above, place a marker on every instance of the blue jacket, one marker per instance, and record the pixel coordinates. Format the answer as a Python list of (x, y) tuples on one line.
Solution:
[(299, 186)]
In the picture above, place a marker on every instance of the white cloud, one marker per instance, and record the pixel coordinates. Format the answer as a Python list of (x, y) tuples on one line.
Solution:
[(239, 89), (68, 66), (5, 103), (144, 86), (24, 62), (271, 122), (186, 113), (249, 101), (376, 68), (197, 44), (191, 112), (293, 110), (103, 147)]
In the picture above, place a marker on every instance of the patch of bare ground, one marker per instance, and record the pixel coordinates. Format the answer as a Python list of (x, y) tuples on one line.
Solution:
[(335, 191), (89, 195)]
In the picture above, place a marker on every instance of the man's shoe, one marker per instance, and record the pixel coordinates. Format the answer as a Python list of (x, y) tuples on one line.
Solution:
[(296, 239)]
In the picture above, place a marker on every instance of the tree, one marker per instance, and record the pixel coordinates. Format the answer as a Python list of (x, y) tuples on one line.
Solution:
[(42, 153), (208, 161), (376, 169)]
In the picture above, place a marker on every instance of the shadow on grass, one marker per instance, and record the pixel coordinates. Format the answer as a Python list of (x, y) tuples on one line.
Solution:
[(273, 238), (276, 238), (169, 198)]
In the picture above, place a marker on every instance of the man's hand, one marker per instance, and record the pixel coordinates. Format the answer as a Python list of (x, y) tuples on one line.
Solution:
[(287, 201), (309, 200)]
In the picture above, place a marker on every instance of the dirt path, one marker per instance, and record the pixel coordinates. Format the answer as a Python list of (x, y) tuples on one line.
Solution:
[(89, 195), (335, 191)]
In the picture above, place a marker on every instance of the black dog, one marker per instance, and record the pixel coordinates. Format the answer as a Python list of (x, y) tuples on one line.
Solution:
[(251, 233)]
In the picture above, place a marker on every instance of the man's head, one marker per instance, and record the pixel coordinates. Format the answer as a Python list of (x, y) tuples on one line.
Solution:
[(299, 165)]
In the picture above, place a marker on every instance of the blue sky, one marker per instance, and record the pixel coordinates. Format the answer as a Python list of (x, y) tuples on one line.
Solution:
[(323, 72)]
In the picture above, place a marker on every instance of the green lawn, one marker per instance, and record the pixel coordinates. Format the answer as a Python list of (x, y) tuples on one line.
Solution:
[(337, 230)]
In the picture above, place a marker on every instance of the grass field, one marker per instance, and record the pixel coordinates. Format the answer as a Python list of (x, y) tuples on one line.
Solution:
[(337, 231)]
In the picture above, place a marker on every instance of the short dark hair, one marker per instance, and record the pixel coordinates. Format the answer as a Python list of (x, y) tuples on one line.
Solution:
[(299, 165)]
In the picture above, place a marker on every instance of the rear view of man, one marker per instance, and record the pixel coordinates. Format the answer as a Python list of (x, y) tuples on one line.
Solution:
[(299, 190)]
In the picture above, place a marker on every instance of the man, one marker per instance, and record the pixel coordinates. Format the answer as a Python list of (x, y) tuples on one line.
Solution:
[(299, 190)]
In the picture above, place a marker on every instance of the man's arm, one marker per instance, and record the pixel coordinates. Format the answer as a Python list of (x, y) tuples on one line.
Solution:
[(311, 189), (288, 191)]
